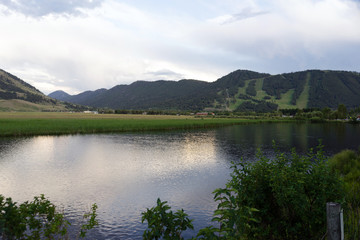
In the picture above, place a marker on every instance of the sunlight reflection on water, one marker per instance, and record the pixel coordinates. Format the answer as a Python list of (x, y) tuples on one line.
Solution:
[(125, 173)]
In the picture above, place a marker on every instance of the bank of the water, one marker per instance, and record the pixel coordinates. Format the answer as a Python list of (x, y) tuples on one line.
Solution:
[(34, 124)]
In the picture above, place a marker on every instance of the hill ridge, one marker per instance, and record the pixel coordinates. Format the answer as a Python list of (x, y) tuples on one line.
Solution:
[(18, 95), (240, 90)]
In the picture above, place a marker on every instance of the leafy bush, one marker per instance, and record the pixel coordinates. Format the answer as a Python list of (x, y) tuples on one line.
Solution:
[(290, 193), (317, 120), (163, 223), (280, 198), (38, 219), (347, 163), (233, 219)]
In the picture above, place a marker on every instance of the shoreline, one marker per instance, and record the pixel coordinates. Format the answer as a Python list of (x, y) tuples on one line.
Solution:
[(38, 124)]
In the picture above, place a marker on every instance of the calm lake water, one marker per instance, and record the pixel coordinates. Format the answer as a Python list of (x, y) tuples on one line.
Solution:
[(126, 173)]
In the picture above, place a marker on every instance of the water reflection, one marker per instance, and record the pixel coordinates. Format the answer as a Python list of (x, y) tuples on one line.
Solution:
[(126, 173), (243, 141)]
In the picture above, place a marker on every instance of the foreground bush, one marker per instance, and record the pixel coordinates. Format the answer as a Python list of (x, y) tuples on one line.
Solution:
[(38, 219), (290, 192), (164, 224), (280, 198), (347, 163)]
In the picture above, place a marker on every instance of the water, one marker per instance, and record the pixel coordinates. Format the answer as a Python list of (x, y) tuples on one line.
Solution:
[(126, 173)]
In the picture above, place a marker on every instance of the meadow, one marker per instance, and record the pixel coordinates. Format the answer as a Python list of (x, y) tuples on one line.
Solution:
[(32, 123)]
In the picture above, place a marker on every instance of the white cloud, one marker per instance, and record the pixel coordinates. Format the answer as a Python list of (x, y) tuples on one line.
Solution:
[(289, 29), (244, 14), (49, 44), (39, 8)]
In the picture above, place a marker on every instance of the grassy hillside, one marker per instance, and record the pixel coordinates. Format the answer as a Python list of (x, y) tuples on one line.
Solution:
[(303, 99), (12, 84), (19, 105), (17, 95), (11, 87), (307, 89)]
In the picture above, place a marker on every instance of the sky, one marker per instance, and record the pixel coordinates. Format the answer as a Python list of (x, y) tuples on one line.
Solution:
[(79, 45)]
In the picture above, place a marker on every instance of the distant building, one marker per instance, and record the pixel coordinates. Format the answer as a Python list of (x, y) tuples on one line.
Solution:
[(93, 112)]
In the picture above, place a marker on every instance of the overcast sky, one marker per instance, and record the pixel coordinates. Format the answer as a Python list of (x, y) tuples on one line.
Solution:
[(78, 45)]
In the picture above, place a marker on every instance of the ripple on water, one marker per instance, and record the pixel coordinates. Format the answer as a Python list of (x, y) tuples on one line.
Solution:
[(126, 173)]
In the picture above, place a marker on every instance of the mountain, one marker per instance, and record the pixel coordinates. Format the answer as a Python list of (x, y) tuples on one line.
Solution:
[(305, 89), (60, 95), (17, 95), (240, 90), (184, 94), (12, 87), (314, 89), (85, 98)]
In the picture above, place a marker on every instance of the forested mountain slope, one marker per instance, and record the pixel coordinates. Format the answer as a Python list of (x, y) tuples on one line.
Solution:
[(240, 90), (17, 95), (12, 87)]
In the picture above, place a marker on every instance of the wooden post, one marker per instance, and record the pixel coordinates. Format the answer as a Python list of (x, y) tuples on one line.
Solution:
[(333, 221)]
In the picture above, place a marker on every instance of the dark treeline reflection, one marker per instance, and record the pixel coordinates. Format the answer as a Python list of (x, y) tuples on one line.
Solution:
[(243, 141)]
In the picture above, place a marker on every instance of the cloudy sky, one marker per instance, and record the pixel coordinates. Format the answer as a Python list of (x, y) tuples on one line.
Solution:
[(78, 45)]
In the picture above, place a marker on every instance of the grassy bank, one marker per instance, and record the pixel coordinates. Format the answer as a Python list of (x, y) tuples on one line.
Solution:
[(29, 124)]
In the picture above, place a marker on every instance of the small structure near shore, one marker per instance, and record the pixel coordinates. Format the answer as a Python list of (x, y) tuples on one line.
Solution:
[(93, 112)]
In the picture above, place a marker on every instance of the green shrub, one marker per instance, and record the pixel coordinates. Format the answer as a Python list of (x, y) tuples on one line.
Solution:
[(317, 120), (233, 219), (38, 219), (164, 224), (347, 164), (290, 193)]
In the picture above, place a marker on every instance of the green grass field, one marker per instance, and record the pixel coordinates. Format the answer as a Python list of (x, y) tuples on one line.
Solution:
[(30, 124), (285, 100), (258, 87), (242, 90), (235, 105), (303, 99)]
